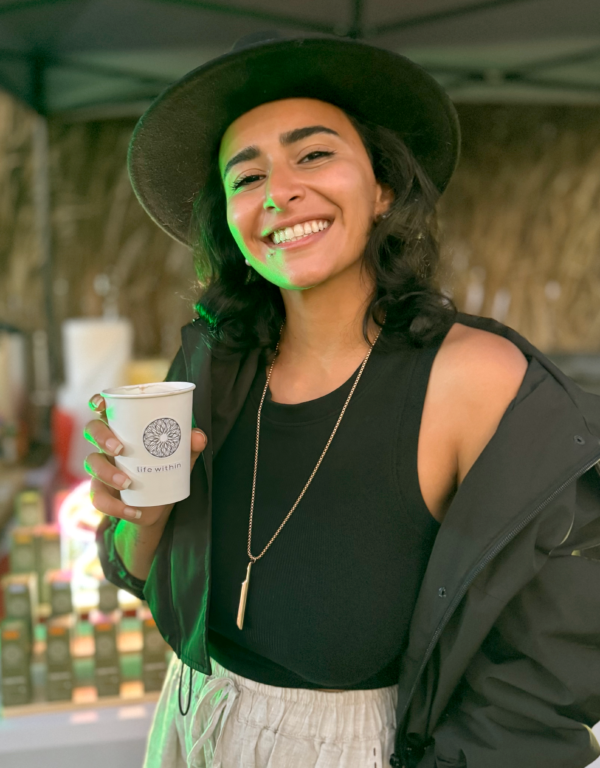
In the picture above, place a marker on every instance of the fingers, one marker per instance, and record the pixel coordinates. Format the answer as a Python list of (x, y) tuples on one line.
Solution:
[(100, 467), (108, 504), (98, 433), (199, 441), (97, 403)]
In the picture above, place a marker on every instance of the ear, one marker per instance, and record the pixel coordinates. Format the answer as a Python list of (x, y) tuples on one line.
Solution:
[(383, 199)]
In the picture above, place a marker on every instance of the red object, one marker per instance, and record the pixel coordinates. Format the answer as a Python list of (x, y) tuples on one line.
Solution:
[(63, 426)]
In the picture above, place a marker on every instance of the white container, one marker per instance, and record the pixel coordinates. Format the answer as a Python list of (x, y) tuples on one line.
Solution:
[(154, 424)]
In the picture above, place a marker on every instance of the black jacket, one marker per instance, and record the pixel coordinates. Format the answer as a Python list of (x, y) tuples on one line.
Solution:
[(502, 668)]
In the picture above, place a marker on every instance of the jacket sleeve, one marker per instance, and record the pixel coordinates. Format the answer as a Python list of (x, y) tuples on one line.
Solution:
[(531, 695), (112, 565)]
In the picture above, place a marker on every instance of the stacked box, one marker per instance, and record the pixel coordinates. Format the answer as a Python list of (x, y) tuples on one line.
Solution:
[(20, 598), (48, 556), (59, 587), (23, 550), (108, 597), (108, 670), (30, 509), (15, 666), (154, 664), (59, 662)]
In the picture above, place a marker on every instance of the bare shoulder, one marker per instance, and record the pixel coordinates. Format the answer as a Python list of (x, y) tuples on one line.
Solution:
[(483, 372)]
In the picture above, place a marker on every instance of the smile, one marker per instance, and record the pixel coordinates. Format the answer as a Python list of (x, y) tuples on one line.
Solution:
[(298, 231), (300, 241)]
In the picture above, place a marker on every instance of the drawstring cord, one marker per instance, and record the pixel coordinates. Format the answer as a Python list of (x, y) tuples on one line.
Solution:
[(224, 692), (189, 691)]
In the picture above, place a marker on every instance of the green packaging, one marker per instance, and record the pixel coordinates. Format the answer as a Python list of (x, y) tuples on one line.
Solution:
[(20, 598), (22, 550), (30, 509), (15, 663), (108, 597), (59, 587), (108, 671), (59, 662), (154, 664)]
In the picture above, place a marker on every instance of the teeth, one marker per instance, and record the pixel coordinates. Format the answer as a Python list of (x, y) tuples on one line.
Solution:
[(298, 231)]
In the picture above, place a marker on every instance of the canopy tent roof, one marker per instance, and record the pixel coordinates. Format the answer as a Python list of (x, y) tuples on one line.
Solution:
[(110, 57)]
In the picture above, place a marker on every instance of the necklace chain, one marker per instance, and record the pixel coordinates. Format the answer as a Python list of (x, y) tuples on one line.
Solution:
[(314, 472)]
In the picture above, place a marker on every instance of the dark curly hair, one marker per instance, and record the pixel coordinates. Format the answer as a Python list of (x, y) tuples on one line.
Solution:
[(244, 310)]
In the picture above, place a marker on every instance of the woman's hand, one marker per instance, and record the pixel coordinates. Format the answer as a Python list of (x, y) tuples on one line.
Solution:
[(107, 481)]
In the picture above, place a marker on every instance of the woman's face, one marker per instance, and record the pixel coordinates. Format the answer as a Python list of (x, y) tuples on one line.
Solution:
[(296, 166)]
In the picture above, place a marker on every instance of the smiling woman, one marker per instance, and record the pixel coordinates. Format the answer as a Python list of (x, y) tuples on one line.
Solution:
[(339, 587), (370, 207)]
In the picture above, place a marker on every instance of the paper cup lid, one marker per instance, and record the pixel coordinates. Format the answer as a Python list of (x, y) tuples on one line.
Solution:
[(154, 389)]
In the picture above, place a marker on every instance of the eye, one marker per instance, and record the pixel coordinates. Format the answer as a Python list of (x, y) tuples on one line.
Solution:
[(242, 182), (252, 177), (318, 152)]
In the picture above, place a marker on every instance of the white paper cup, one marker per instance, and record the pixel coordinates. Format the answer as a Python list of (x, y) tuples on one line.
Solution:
[(154, 424)]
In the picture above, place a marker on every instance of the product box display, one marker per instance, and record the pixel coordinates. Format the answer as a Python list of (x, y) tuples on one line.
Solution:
[(29, 508), (106, 657), (47, 538), (19, 591), (68, 634), (22, 550), (108, 597), (59, 662), (15, 667), (59, 588), (154, 664)]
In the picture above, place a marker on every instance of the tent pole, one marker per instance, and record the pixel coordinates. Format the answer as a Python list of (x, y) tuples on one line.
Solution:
[(41, 195)]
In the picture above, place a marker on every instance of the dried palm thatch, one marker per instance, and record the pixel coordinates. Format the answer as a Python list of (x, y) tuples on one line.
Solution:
[(520, 222), (522, 225)]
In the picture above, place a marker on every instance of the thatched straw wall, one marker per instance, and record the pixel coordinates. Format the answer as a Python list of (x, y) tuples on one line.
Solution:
[(522, 230), (522, 224)]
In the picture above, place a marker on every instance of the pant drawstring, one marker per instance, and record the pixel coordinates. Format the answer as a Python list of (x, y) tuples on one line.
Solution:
[(189, 701), (225, 692)]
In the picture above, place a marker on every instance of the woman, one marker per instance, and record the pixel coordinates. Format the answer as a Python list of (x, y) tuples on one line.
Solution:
[(359, 618)]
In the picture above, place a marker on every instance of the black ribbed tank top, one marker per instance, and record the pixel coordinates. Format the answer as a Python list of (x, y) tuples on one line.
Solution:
[(331, 600)]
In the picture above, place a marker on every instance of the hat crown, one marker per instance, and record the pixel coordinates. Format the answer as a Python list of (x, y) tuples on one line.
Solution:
[(254, 38)]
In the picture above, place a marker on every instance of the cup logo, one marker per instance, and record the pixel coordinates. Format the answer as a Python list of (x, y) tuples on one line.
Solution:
[(162, 437)]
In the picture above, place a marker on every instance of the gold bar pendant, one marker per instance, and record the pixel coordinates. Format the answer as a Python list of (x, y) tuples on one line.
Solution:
[(243, 596)]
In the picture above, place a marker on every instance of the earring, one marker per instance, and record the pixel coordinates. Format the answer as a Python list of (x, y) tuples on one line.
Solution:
[(247, 262), (384, 215)]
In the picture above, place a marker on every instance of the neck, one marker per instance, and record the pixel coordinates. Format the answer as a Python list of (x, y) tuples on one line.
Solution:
[(325, 324)]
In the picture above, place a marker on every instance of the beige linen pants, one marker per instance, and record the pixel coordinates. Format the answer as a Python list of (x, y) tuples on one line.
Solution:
[(234, 722)]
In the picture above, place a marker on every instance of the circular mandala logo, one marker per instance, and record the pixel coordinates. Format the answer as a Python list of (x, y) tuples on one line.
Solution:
[(162, 438)]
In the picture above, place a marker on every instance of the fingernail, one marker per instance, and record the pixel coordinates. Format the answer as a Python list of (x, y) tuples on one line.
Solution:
[(121, 480), (133, 513), (200, 432), (95, 401), (114, 446)]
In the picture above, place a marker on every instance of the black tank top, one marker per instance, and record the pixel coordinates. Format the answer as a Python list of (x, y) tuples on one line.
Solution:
[(331, 600)]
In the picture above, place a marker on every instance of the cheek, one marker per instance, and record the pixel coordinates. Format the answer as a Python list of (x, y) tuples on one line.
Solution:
[(354, 190), (239, 220)]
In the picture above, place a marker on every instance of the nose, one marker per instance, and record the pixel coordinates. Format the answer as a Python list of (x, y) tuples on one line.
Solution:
[(281, 188)]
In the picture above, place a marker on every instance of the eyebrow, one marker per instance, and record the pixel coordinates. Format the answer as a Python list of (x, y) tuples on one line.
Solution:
[(285, 139)]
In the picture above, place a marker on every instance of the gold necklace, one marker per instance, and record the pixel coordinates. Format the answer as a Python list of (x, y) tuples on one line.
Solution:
[(246, 582)]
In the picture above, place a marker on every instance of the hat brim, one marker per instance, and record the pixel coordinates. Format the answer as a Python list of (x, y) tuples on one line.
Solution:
[(179, 134)]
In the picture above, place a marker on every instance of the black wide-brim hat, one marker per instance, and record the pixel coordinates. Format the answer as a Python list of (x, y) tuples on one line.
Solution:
[(178, 136)]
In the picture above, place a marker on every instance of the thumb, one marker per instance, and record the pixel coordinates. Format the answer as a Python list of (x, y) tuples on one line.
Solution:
[(199, 441)]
